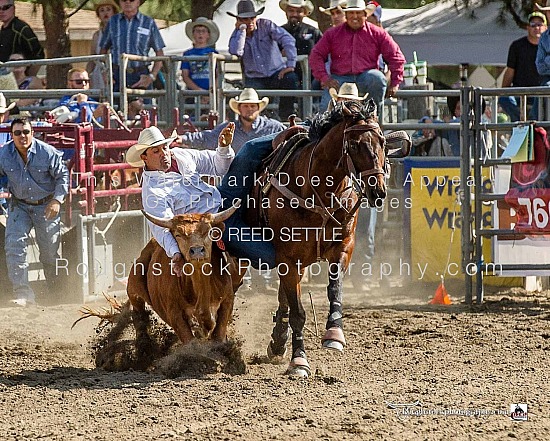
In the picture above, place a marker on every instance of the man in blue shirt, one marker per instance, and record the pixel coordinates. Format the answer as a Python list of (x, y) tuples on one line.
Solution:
[(38, 183), (258, 41), (131, 32), (78, 78), (250, 124)]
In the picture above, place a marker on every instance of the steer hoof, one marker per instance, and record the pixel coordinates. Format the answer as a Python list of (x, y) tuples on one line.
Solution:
[(334, 339), (298, 367)]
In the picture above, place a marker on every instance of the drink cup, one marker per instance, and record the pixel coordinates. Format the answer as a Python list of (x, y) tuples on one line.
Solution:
[(421, 72), (409, 72)]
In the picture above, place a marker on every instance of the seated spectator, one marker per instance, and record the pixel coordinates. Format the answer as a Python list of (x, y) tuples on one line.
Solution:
[(78, 79), (204, 33), (25, 82), (258, 42), (249, 125), (427, 142)]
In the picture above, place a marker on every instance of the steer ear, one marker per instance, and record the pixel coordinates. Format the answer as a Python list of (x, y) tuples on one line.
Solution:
[(226, 214), (165, 223)]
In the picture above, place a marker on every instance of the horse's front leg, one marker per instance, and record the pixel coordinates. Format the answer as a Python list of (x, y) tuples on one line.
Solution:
[(334, 335), (290, 283)]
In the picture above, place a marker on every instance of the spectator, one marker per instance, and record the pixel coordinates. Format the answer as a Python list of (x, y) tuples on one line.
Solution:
[(24, 81), (16, 36), (204, 33), (257, 42), (104, 9), (306, 36), (427, 142), (4, 115), (355, 48), (250, 124), (38, 183), (521, 68), (337, 16), (78, 78), (132, 32)]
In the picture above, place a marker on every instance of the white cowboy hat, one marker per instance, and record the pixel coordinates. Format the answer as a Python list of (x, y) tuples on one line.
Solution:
[(359, 5), (542, 8), (333, 5), (306, 4), (209, 24), (245, 9), (347, 91), (3, 108), (149, 137), (248, 95)]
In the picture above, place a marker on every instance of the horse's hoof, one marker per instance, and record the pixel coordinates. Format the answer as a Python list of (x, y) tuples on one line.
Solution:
[(298, 372), (298, 367), (275, 356), (334, 339), (333, 345)]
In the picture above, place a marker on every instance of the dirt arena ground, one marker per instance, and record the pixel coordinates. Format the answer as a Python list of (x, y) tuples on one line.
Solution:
[(458, 368)]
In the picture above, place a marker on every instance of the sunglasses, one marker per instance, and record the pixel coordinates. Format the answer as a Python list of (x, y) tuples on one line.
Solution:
[(5, 7), (126, 1), (21, 132), (536, 25), (80, 81)]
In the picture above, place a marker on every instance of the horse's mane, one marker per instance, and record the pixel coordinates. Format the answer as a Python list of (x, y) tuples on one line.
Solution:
[(323, 122)]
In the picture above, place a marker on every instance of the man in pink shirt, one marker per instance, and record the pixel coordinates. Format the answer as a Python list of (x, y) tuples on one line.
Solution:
[(354, 48)]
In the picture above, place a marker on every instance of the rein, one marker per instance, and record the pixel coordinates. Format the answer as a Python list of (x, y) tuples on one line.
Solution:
[(322, 210)]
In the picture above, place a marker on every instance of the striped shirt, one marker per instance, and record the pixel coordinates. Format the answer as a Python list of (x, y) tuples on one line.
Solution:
[(208, 139), (136, 36)]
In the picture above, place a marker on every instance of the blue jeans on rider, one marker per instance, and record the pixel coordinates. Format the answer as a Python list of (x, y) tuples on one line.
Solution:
[(21, 219), (237, 184), (371, 81), (510, 105)]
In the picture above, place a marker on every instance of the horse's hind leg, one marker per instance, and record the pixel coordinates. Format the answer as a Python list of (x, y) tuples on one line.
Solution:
[(299, 365), (280, 334), (334, 335)]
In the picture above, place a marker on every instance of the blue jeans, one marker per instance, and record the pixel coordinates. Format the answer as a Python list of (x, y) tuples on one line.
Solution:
[(237, 184), (372, 81), (511, 107), (21, 219), (288, 82), (366, 226)]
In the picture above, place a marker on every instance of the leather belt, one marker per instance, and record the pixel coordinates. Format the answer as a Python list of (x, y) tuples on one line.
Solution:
[(39, 202)]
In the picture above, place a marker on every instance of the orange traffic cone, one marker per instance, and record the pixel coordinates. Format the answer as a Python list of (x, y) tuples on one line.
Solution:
[(441, 296)]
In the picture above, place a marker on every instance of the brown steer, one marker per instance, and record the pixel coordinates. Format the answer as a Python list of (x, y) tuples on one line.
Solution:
[(200, 302)]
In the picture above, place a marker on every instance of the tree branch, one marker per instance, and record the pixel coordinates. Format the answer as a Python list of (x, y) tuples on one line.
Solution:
[(78, 9)]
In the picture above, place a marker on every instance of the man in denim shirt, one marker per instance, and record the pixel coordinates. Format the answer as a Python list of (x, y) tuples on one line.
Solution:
[(258, 41), (38, 183)]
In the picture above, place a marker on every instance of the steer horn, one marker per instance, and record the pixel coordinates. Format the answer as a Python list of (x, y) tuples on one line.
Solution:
[(165, 223), (226, 214)]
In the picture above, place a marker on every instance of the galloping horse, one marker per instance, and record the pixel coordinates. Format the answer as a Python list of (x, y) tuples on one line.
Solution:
[(321, 182)]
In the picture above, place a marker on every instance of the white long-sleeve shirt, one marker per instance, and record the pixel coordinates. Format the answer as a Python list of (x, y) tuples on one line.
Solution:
[(167, 194)]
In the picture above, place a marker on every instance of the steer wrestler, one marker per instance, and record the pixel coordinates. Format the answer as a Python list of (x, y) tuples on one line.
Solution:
[(172, 184)]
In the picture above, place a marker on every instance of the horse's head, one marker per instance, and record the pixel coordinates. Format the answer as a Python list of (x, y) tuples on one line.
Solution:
[(364, 149)]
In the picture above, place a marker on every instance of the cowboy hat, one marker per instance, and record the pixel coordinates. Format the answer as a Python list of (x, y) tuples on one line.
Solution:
[(333, 5), (250, 96), (245, 9), (111, 3), (209, 24), (149, 137), (542, 8), (347, 91), (3, 108), (306, 4), (359, 5)]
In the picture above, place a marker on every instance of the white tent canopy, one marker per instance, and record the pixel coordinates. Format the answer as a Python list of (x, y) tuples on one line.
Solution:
[(176, 41), (444, 34)]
